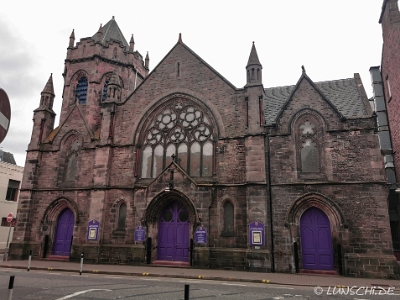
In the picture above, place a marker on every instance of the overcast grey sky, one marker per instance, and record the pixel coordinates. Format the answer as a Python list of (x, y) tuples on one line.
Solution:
[(332, 39)]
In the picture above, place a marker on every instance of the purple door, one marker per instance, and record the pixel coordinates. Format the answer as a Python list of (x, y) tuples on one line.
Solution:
[(173, 233), (65, 229), (316, 240)]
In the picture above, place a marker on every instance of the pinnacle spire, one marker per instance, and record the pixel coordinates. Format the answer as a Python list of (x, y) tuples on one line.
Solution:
[(72, 38), (131, 44), (49, 88), (253, 58), (146, 64), (180, 38)]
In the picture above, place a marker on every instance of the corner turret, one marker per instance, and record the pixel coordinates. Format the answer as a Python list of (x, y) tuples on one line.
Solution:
[(253, 68), (43, 116)]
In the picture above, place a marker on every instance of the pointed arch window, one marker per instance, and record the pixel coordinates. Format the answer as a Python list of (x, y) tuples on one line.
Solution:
[(309, 145), (69, 169), (81, 90), (228, 219), (122, 217), (181, 130)]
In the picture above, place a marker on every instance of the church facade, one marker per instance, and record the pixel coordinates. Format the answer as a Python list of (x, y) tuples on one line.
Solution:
[(179, 166)]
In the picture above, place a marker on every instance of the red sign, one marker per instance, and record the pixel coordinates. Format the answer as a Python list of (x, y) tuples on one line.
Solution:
[(5, 114), (10, 217)]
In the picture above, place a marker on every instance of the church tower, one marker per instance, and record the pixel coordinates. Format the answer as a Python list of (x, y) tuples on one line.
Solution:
[(89, 66)]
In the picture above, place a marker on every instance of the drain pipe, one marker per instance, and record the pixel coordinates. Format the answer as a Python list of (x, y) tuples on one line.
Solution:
[(271, 224)]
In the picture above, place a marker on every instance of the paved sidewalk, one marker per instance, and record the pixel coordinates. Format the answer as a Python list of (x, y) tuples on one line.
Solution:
[(205, 274)]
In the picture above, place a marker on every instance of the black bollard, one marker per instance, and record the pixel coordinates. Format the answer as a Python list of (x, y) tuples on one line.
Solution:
[(10, 287), (186, 292), (80, 270)]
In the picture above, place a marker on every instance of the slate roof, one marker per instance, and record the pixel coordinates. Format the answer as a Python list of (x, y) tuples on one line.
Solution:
[(343, 94), (7, 157), (111, 31)]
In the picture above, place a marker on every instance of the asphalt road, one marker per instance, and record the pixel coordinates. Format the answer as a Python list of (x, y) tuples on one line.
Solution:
[(48, 285)]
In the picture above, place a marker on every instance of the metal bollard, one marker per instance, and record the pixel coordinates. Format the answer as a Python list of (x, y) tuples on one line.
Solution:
[(80, 271), (186, 292), (10, 287), (29, 260)]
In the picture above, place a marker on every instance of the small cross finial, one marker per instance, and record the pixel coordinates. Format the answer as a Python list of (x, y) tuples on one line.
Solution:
[(303, 70), (173, 157)]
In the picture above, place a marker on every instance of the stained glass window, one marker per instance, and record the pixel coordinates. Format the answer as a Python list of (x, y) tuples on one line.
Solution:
[(181, 130)]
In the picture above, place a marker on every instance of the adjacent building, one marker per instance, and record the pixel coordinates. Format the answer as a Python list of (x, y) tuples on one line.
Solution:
[(179, 166), (10, 182), (386, 87)]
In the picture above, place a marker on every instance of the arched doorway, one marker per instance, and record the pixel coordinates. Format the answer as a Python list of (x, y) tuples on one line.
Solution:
[(64, 232), (316, 240), (173, 233)]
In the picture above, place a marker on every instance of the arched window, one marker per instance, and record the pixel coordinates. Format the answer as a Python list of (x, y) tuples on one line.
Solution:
[(70, 156), (104, 96), (81, 90), (182, 131), (309, 144), (121, 217), (228, 219)]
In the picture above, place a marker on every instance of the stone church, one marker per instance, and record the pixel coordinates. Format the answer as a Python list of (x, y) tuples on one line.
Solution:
[(177, 166)]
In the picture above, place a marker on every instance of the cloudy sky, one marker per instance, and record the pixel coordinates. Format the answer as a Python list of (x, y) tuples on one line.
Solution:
[(332, 39)]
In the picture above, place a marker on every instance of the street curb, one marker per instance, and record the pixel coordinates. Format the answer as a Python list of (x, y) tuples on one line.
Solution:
[(139, 274)]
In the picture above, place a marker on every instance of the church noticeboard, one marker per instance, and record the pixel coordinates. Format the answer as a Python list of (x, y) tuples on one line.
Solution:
[(200, 235), (256, 234), (93, 230), (140, 233)]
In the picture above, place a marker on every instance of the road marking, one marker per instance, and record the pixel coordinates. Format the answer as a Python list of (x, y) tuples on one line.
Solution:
[(280, 287), (150, 279), (113, 277), (80, 293), (80, 275), (235, 284)]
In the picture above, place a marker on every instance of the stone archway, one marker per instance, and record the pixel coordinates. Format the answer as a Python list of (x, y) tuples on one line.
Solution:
[(314, 218), (170, 218), (58, 225)]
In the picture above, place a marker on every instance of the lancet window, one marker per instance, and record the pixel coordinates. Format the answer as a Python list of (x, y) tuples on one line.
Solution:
[(183, 132), (309, 145), (81, 90)]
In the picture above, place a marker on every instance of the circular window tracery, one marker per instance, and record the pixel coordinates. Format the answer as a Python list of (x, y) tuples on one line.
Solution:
[(185, 125)]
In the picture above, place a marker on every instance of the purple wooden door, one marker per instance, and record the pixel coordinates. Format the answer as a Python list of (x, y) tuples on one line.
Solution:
[(173, 234), (316, 240), (65, 229)]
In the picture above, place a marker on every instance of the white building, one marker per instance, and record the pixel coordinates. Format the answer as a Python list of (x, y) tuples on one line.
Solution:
[(10, 182)]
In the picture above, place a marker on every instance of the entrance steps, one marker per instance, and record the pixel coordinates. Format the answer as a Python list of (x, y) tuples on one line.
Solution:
[(168, 263), (56, 258), (318, 272)]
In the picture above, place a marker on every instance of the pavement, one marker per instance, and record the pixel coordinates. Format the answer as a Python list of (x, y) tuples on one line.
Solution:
[(297, 279)]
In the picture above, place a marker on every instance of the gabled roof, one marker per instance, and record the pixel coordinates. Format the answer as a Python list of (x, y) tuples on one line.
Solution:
[(343, 95), (111, 31)]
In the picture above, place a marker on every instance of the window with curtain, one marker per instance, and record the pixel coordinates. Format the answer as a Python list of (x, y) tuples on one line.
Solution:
[(180, 131)]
